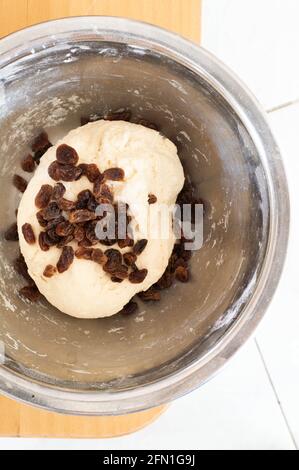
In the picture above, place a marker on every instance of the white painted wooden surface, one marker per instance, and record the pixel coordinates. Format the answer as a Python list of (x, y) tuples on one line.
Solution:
[(236, 410), (278, 335), (259, 40)]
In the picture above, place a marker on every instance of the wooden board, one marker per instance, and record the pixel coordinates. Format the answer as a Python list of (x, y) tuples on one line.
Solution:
[(21, 420), (181, 16)]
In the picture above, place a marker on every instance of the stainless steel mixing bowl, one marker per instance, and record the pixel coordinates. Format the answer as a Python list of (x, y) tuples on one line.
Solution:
[(50, 75)]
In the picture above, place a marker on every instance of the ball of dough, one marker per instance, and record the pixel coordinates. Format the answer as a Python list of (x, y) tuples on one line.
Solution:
[(151, 166)]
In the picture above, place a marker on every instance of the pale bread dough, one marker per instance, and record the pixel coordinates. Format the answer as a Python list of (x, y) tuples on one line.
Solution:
[(151, 166)]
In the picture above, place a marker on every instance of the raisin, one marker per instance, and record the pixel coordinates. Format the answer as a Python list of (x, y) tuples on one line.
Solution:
[(179, 262), (65, 228), (53, 171), (114, 174), (28, 234), (182, 274), (85, 243), (42, 222), (165, 281), (146, 123), (90, 231), (65, 204), (19, 183), (38, 155), (20, 267), (83, 199), (102, 192), (92, 172), (66, 155), (130, 258), (177, 249), (137, 276), (84, 253), (134, 267), (43, 197), (79, 233), (83, 167), (125, 242), (52, 211), (180, 251), (121, 272), (66, 259), (49, 270), (84, 120), (139, 246), (64, 172), (114, 255), (93, 118), (92, 203), (150, 294), (41, 142), (107, 242), (92, 242), (28, 164), (98, 256), (97, 186), (114, 260), (69, 172), (152, 199), (30, 293), (121, 115), (115, 279), (43, 241), (54, 222), (81, 215), (121, 220), (58, 191), (11, 234), (186, 254), (52, 236), (172, 262), (129, 308), (65, 241), (186, 193), (187, 196)]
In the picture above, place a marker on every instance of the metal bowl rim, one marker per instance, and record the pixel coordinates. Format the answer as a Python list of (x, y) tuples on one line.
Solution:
[(254, 119)]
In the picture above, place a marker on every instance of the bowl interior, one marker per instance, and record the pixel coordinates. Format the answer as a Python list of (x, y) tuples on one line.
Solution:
[(51, 88)]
